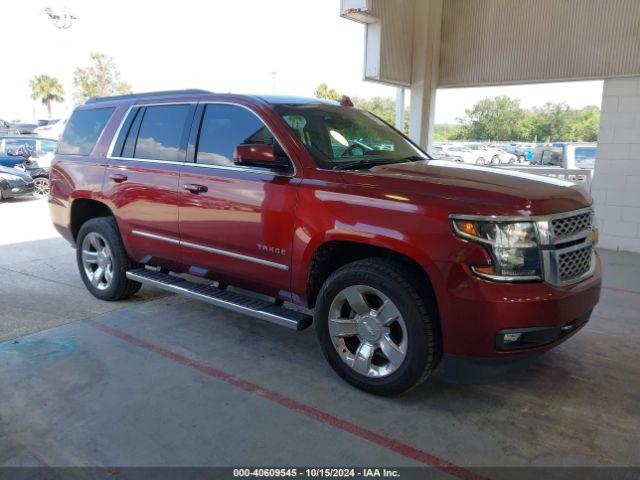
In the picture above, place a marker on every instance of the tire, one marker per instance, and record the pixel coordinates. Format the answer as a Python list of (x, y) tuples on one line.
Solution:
[(480, 161), (496, 160), (521, 159), (94, 235), (43, 187), (418, 331)]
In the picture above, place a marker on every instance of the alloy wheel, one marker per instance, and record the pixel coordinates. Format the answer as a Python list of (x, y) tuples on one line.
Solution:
[(368, 331), (42, 187), (97, 260)]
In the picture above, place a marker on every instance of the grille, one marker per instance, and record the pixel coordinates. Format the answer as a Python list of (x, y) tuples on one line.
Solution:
[(574, 264), (569, 225)]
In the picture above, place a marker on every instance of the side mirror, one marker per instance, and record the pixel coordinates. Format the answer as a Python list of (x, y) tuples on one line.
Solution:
[(258, 155)]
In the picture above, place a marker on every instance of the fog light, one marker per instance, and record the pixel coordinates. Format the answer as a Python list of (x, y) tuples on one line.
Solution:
[(511, 337)]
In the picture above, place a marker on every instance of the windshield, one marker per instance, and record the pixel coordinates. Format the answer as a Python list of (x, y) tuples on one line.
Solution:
[(341, 137), (586, 157)]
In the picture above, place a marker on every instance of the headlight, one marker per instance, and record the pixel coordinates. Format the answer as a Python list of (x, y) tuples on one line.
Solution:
[(513, 247), (9, 176)]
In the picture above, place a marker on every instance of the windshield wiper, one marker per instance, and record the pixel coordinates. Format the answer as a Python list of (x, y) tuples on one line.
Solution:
[(372, 163), (361, 164), (413, 158)]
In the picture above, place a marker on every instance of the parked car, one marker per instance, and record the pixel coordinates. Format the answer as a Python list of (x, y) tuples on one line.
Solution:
[(438, 152), (52, 130), (460, 151), (404, 260), (24, 128), (7, 129), (523, 154), (15, 183), (569, 155), (33, 155), (487, 154), (43, 122)]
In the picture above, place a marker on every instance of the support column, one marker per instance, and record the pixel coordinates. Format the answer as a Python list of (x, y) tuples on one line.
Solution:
[(616, 182), (424, 75), (400, 108)]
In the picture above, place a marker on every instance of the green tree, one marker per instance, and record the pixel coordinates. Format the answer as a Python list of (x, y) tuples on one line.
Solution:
[(499, 118), (586, 125), (552, 121), (326, 92), (100, 79), (47, 89), (383, 107)]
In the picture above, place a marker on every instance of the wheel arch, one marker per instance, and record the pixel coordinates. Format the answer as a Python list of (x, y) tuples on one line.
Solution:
[(84, 209), (332, 254)]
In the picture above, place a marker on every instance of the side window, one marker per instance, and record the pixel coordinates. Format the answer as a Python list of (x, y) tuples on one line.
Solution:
[(549, 157), (225, 127), (163, 133), (83, 130)]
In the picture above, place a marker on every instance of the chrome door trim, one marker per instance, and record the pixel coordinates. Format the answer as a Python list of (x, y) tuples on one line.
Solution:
[(142, 233), (234, 255), (112, 145), (204, 248), (195, 163)]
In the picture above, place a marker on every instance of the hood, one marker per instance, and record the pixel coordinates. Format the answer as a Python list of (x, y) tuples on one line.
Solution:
[(475, 189), (18, 173)]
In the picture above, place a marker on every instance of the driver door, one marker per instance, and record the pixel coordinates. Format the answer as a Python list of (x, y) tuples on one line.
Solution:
[(236, 222)]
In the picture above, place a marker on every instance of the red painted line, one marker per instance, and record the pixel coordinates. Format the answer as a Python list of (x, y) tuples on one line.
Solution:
[(621, 290), (302, 408)]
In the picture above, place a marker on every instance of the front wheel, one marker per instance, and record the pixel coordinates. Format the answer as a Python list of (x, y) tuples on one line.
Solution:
[(42, 187), (480, 161), (103, 261), (377, 330)]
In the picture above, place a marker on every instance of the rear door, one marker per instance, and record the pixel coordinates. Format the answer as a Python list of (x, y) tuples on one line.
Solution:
[(142, 177), (236, 222)]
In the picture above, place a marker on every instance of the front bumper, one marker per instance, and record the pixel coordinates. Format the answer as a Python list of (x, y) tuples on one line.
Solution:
[(15, 189), (482, 310)]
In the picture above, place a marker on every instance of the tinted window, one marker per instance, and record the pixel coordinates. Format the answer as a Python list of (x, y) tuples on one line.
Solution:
[(83, 130), (224, 127), (586, 157), (162, 133)]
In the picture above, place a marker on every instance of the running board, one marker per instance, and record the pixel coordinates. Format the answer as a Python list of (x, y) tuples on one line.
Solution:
[(233, 301)]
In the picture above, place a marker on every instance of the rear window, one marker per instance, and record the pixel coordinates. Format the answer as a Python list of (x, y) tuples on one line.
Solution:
[(83, 130), (586, 157)]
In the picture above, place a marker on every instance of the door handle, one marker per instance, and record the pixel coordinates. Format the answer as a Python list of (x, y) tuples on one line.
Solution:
[(118, 177), (194, 188)]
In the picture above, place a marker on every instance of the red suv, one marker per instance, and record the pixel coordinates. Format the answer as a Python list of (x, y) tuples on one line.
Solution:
[(399, 260)]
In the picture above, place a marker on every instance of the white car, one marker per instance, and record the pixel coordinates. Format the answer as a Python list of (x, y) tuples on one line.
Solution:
[(461, 152), (491, 155), (52, 131)]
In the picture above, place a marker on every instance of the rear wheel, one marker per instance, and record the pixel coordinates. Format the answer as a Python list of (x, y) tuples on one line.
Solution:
[(103, 261), (376, 330)]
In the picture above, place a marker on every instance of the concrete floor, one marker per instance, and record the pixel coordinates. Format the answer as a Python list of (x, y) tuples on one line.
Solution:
[(162, 380)]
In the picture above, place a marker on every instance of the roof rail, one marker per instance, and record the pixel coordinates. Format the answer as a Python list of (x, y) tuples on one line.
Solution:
[(188, 91)]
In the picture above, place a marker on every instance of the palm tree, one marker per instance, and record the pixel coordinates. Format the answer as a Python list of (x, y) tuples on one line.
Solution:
[(48, 89)]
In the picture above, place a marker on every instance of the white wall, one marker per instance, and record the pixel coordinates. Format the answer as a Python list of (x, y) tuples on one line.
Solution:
[(616, 187)]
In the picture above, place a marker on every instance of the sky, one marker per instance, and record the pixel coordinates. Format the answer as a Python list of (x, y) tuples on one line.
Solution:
[(223, 46)]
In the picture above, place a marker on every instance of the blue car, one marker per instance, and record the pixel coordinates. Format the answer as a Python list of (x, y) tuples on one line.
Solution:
[(23, 152), (12, 148)]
